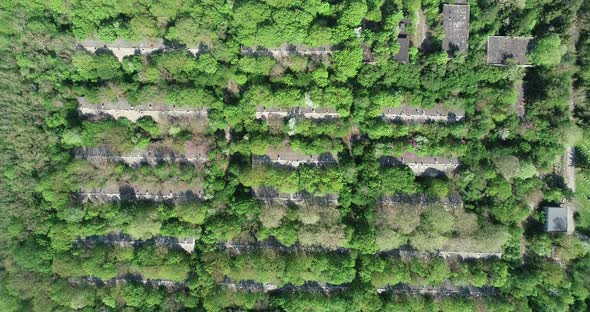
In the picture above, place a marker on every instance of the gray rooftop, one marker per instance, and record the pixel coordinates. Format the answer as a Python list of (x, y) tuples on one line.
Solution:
[(557, 219), (456, 27), (285, 155), (306, 111), (120, 43), (501, 49), (286, 50), (367, 54), (403, 56), (197, 153), (416, 114), (269, 194), (122, 108), (423, 165)]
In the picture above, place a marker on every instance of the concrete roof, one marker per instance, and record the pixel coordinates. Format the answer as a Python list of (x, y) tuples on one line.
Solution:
[(453, 201), (456, 27), (423, 165), (122, 108), (305, 111), (157, 192), (122, 48), (285, 50), (120, 43), (403, 56), (416, 114), (285, 155), (501, 49), (270, 194), (367, 54), (198, 153), (557, 219)]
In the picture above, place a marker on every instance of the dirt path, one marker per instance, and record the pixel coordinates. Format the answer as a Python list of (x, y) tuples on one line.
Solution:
[(420, 36)]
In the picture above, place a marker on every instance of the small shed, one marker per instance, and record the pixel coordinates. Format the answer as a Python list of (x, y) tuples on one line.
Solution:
[(559, 219), (501, 49), (456, 27)]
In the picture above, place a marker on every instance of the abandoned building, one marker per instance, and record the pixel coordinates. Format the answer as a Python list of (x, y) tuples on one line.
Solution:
[(125, 240), (287, 156), (129, 278), (453, 201), (263, 112), (197, 154), (127, 192), (423, 165), (502, 49), (456, 27), (122, 48), (403, 56), (559, 219), (416, 114), (286, 50), (268, 194), (122, 108)]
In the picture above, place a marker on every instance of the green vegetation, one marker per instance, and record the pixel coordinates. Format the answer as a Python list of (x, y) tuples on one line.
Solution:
[(281, 269), (337, 230), (106, 263)]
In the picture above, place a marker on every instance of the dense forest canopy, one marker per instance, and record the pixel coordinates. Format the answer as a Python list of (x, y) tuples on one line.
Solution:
[(308, 155)]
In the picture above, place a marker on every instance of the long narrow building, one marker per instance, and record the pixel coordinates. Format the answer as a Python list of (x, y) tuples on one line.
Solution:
[(423, 165), (418, 115), (286, 50), (287, 156), (128, 192), (122, 108), (196, 155), (263, 112), (123, 48), (271, 195)]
